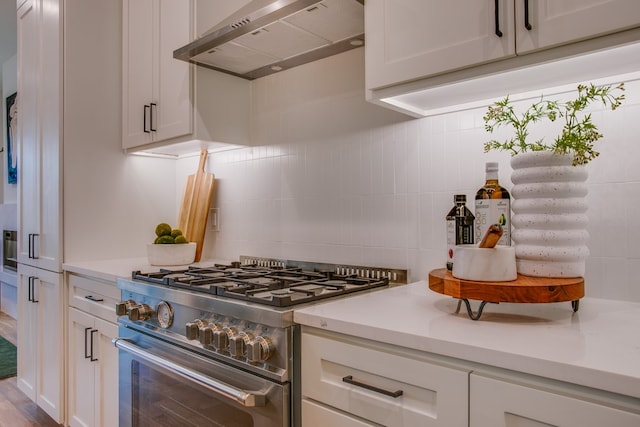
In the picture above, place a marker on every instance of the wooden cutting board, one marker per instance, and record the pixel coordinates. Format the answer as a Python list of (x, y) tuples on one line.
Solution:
[(195, 205)]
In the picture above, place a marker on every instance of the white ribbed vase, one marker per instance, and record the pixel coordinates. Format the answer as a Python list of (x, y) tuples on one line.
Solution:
[(549, 215)]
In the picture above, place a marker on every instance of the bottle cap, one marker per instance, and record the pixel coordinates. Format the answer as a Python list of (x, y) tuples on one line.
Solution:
[(460, 198), (491, 166)]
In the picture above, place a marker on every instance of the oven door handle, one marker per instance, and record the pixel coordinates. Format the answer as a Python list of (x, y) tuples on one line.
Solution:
[(245, 398)]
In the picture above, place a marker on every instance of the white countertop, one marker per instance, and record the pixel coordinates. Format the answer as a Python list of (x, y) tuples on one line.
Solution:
[(598, 346), (110, 270)]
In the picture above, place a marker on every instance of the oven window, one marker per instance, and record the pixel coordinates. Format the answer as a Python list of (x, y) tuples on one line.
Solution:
[(159, 399)]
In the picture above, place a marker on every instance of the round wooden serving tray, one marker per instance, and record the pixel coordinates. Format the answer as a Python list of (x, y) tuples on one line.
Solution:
[(525, 289)]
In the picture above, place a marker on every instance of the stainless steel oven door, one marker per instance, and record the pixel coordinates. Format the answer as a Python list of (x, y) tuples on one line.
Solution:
[(164, 385)]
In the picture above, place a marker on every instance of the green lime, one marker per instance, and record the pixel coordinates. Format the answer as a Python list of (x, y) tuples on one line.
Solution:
[(163, 229), (175, 232), (181, 239), (163, 240)]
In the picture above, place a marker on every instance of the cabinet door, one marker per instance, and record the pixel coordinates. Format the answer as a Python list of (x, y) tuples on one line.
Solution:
[(49, 243), (39, 109), (137, 75), (555, 22), (172, 96), (81, 369), (499, 403), (157, 89), (93, 371), (28, 132), (412, 39), (106, 374), (40, 338), (27, 331)]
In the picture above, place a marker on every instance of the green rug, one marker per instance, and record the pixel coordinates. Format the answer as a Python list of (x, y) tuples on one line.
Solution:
[(8, 358)]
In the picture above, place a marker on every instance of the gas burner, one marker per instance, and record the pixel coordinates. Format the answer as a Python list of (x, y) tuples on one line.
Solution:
[(273, 283)]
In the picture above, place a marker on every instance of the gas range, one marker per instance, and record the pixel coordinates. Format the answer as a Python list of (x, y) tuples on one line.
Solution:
[(238, 314)]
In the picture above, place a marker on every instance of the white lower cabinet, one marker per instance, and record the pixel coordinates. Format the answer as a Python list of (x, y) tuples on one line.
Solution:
[(92, 359), (509, 402), (349, 382), (353, 382), (40, 338)]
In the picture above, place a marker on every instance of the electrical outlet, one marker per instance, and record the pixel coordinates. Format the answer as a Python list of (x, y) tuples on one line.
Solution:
[(214, 219)]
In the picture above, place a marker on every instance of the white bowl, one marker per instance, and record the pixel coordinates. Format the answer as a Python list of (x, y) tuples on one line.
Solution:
[(497, 264), (171, 254)]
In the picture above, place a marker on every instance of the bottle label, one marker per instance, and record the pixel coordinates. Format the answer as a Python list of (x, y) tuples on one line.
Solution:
[(451, 241), (493, 211)]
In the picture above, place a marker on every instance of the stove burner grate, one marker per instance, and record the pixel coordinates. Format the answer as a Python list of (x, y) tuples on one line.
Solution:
[(278, 286)]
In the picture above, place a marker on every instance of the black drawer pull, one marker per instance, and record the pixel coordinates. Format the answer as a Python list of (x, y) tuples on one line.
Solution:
[(92, 298), (349, 380)]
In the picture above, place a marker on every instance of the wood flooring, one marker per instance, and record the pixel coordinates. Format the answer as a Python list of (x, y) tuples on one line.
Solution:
[(16, 409)]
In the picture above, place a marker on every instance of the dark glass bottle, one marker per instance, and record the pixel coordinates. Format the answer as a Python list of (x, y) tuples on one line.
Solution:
[(493, 206), (460, 222)]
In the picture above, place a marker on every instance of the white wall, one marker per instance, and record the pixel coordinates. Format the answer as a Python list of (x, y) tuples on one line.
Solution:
[(112, 202), (336, 179)]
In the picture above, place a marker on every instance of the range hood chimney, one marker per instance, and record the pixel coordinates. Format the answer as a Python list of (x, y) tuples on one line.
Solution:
[(267, 36)]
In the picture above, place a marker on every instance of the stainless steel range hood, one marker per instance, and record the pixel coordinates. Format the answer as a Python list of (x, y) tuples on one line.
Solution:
[(267, 36)]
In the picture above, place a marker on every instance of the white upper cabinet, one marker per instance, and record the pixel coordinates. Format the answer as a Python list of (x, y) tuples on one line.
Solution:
[(551, 22), (157, 89), (414, 45), (413, 38), (39, 134), (170, 106)]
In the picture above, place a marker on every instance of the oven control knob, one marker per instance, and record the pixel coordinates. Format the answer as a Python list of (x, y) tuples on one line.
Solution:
[(238, 344), (205, 333), (140, 312), (123, 307), (221, 337), (259, 349), (192, 329)]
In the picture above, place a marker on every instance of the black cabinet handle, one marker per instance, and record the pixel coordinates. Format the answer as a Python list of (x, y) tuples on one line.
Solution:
[(32, 245), (349, 380), (497, 18), (88, 344), (527, 24), (31, 289), (144, 118), (87, 355), (152, 127), (92, 298), (93, 331)]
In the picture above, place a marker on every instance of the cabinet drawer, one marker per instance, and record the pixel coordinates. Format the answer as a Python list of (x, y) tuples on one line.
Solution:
[(503, 403), (316, 415), (381, 385), (93, 296)]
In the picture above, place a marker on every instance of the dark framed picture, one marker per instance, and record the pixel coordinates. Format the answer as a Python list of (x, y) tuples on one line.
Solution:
[(12, 135)]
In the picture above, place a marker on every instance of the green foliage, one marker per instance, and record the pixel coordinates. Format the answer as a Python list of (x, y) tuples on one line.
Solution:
[(578, 133)]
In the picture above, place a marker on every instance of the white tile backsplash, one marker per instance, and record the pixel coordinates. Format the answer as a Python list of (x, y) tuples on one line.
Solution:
[(336, 179)]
